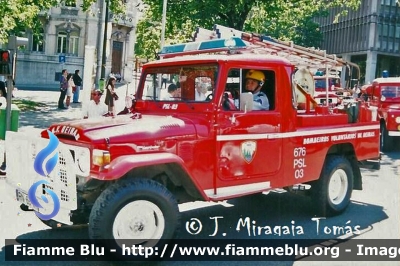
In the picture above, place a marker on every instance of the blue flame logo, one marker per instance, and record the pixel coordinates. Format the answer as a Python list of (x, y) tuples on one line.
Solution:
[(44, 154), (44, 163), (35, 202)]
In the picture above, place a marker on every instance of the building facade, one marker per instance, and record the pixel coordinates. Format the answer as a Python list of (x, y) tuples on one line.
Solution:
[(67, 30), (369, 36)]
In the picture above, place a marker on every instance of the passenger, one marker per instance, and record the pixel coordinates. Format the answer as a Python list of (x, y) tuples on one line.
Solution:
[(255, 79), (201, 90), (173, 93)]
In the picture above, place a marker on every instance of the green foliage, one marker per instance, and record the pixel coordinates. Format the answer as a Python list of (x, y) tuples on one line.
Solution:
[(283, 19), (17, 15)]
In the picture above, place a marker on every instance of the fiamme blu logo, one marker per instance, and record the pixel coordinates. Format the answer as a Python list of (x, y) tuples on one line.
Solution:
[(45, 162)]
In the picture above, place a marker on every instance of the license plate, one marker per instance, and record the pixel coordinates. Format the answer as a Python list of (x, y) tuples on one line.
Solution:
[(23, 198)]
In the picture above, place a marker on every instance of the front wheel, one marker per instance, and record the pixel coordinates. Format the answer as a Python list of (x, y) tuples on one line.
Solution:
[(140, 210), (331, 193)]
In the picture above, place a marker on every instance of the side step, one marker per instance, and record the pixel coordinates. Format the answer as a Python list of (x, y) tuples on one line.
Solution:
[(374, 164)]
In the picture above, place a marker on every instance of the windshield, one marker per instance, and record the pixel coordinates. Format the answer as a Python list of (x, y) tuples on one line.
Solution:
[(194, 83), (320, 83), (390, 92)]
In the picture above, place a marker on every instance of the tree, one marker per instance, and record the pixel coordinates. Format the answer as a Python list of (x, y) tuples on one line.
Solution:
[(16, 15), (19, 13), (283, 19)]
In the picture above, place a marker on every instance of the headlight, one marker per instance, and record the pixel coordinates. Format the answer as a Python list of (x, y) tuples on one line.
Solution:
[(101, 158), (397, 120), (383, 98)]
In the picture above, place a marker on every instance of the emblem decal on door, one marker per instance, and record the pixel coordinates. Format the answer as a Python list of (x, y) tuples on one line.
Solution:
[(248, 150)]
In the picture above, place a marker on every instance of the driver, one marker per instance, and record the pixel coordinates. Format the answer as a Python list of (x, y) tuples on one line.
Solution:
[(255, 79)]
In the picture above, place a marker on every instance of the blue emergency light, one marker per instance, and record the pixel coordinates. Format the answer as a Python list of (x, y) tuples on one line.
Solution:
[(204, 46)]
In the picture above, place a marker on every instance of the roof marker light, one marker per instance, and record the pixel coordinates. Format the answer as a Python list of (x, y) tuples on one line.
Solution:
[(230, 42), (204, 46)]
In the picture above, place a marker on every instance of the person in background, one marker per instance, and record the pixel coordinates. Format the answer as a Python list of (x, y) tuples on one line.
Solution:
[(164, 80), (63, 89), (78, 83), (71, 84), (254, 81), (94, 108), (118, 77), (173, 93), (110, 95), (3, 104), (3, 95)]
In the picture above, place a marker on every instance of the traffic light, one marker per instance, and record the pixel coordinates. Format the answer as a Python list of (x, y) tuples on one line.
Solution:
[(5, 62)]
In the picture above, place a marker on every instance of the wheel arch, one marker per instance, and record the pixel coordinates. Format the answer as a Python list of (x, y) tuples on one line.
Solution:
[(347, 150), (169, 174)]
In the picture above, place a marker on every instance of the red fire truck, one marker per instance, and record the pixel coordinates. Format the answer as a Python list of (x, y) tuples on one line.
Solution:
[(383, 95), (127, 174)]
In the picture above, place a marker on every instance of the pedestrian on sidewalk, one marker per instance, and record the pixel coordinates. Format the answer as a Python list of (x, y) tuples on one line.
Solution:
[(111, 95), (63, 89), (71, 85), (78, 83), (3, 94)]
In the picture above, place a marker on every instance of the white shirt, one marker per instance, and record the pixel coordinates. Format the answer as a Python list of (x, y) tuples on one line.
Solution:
[(260, 101), (168, 97), (94, 110), (200, 96)]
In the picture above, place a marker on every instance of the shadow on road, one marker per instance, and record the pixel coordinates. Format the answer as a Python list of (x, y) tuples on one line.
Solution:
[(392, 159), (47, 116), (275, 210)]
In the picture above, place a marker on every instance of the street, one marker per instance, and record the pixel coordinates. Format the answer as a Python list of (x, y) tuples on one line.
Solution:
[(374, 212)]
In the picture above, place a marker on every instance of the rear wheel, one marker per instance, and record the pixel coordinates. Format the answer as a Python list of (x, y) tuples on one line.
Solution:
[(331, 193), (141, 211)]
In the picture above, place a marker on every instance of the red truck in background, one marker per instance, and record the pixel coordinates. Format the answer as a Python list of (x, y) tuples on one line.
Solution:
[(330, 83), (383, 95), (130, 172)]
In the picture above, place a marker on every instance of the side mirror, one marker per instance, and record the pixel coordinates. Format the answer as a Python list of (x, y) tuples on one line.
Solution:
[(246, 101)]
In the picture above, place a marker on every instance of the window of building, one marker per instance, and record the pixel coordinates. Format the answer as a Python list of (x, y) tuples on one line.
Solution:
[(62, 42), (397, 31), (73, 43), (68, 43), (388, 2), (71, 3)]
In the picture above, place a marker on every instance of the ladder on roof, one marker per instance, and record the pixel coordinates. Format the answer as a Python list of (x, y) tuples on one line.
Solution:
[(215, 41)]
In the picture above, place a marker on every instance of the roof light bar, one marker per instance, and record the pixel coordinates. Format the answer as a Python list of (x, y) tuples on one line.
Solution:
[(216, 45)]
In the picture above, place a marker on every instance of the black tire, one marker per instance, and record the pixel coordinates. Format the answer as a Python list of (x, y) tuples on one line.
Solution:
[(386, 141), (148, 205), (327, 197)]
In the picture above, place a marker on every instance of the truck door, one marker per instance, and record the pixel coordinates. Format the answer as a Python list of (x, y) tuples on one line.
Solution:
[(247, 150)]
